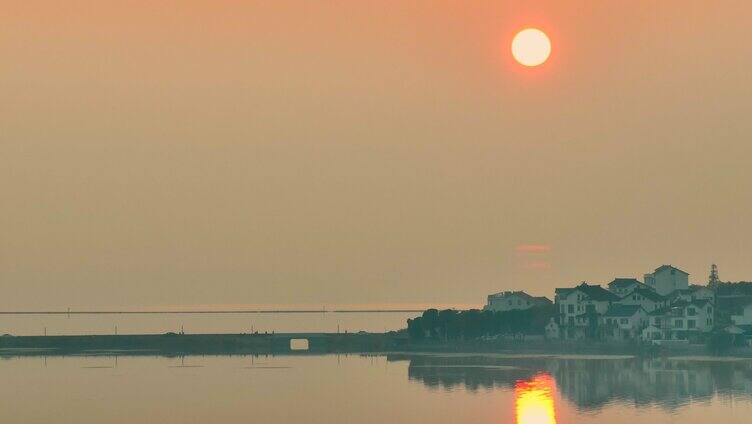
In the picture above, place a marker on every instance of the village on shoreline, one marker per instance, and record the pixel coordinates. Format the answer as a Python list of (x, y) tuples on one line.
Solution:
[(662, 310)]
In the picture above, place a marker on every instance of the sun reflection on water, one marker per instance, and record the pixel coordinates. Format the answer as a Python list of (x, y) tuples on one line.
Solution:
[(534, 400)]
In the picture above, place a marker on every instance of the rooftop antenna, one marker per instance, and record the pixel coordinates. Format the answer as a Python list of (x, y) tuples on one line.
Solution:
[(713, 279)]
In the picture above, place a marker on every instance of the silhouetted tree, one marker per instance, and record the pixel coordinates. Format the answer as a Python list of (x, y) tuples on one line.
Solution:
[(415, 328), (450, 324)]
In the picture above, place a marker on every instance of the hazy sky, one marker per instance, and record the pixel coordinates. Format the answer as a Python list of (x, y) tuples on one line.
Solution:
[(186, 153)]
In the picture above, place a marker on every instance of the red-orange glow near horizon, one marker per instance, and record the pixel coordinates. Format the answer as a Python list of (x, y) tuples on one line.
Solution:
[(534, 400)]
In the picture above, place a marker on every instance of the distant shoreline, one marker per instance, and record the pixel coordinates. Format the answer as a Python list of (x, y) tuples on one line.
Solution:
[(174, 344), (251, 311)]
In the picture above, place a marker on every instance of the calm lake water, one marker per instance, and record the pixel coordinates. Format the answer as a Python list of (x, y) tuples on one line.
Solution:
[(37, 324), (372, 389)]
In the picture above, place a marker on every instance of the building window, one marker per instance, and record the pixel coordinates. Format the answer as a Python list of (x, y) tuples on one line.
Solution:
[(710, 310), (679, 323), (570, 309), (657, 321), (690, 323), (625, 320)]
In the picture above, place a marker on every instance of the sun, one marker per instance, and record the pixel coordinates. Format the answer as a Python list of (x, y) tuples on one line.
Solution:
[(531, 47)]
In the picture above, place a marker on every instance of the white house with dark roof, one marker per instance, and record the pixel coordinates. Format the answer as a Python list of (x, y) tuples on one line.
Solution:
[(666, 279), (624, 321), (579, 308), (623, 286), (683, 319), (646, 298), (514, 300), (699, 314)]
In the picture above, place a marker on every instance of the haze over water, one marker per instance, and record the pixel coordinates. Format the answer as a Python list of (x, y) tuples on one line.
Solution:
[(213, 323)]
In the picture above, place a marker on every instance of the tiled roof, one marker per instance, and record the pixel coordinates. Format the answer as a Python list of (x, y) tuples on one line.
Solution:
[(648, 294), (624, 282), (669, 267), (592, 291), (512, 293), (542, 300), (622, 310), (596, 292)]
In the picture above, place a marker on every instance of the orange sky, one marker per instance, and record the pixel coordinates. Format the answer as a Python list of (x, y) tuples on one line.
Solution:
[(362, 152)]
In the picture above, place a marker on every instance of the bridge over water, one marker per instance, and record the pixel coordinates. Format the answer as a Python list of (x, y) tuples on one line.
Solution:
[(178, 344)]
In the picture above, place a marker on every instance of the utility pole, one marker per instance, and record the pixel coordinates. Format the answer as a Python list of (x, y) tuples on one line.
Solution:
[(713, 279)]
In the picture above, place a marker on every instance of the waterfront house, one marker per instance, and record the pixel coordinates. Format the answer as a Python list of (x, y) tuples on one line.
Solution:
[(622, 322), (684, 320), (579, 308), (666, 279), (699, 316), (514, 300)]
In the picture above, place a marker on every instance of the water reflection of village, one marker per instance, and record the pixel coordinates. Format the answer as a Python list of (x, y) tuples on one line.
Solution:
[(589, 384)]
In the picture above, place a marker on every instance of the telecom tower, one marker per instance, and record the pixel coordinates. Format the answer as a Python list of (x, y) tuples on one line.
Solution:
[(713, 279)]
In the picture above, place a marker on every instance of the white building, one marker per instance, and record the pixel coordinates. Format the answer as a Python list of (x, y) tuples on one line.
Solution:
[(646, 298), (699, 315), (514, 300), (579, 307), (666, 279), (683, 319), (623, 322)]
